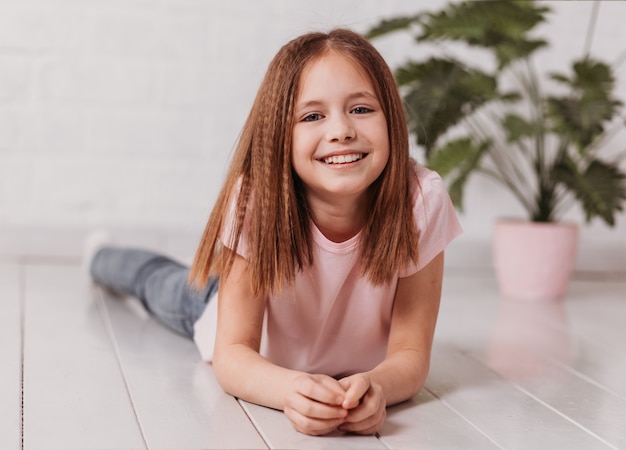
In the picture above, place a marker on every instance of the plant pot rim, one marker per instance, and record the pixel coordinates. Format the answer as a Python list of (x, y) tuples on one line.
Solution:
[(530, 223)]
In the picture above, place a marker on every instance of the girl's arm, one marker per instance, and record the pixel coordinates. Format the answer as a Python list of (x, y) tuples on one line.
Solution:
[(311, 402), (403, 372)]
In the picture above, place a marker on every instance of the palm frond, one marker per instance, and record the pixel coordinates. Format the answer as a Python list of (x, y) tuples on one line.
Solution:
[(600, 187), (499, 25), (457, 160), (392, 25), (439, 93), (582, 115), (518, 128)]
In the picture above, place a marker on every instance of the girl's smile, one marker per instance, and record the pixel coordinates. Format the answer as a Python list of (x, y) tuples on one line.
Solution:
[(340, 139), (342, 159)]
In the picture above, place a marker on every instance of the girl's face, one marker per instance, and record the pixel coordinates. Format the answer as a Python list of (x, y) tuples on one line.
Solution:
[(340, 139)]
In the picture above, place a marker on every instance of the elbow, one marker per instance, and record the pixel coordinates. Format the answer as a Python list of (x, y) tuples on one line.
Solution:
[(418, 380), (220, 370), (414, 387), (231, 368)]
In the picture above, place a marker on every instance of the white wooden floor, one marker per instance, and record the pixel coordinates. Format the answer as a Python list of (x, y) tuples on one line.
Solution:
[(81, 370)]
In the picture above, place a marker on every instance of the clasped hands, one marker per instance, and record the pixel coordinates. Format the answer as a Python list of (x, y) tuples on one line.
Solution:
[(319, 404)]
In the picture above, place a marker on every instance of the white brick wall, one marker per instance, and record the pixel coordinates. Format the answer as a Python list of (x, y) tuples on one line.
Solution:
[(124, 112)]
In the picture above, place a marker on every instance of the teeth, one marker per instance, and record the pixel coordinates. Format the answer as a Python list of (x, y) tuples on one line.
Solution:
[(342, 159)]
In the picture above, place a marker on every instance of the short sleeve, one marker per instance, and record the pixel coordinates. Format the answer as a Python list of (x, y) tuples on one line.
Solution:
[(435, 218)]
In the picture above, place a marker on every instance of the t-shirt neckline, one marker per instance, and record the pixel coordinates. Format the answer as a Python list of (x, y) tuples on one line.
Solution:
[(331, 246)]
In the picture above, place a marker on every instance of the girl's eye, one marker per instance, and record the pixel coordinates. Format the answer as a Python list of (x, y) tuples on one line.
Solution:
[(361, 110), (312, 117)]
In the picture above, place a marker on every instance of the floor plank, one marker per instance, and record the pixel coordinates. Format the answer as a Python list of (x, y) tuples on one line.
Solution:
[(74, 394), (426, 422), (534, 347), (565, 367), (596, 311), (10, 355), (594, 409), (177, 398), (520, 337), (509, 417), (279, 433)]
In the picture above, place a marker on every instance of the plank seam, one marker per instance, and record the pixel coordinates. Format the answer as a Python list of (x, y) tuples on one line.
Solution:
[(22, 297), (569, 419), (104, 312), (586, 378), (525, 391), (462, 417), (254, 423), (382, 441)]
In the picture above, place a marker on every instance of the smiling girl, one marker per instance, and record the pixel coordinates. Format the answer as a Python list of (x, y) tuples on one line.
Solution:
[(326, 243)]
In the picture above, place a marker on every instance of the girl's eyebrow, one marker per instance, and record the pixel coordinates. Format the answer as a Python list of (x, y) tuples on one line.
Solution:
[(351, 97)]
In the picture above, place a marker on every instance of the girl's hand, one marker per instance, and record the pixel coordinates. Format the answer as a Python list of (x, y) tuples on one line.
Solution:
[(365, 403), (314, 404)]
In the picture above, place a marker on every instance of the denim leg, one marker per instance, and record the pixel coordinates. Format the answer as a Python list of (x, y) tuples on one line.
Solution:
[(159, 282)]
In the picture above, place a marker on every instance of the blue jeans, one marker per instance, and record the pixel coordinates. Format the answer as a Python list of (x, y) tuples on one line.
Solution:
[(159, 282)]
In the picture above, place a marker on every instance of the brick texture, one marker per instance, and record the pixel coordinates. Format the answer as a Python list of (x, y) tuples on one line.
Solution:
[(125, 112)]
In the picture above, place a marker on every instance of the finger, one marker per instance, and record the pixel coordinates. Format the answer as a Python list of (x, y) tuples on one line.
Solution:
[(369, 425), (321, 389), (356, 388), (372, 406), (362, 431), (314, 409), (308, 425)]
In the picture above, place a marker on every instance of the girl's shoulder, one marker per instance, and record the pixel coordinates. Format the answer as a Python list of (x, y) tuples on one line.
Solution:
[(426, 183), (434, 214)]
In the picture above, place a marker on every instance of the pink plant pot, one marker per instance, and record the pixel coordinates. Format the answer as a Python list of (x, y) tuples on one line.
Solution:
[(534, 261)]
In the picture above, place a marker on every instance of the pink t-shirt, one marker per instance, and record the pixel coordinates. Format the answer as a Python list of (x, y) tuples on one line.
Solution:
[(332, 320)]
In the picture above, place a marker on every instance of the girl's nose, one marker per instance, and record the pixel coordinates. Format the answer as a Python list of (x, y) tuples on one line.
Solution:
[(340, 130)]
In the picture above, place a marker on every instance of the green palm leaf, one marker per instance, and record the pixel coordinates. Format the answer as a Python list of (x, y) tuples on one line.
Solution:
[(391, 25), (582, 115), (498, 25), (600, 187), (439, 93), (456, 161), (518, 128)]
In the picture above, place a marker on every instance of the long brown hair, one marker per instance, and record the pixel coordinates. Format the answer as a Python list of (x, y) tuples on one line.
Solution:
[(271, 196)]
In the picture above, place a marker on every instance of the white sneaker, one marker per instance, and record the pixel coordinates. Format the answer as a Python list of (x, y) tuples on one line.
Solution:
[(93, 242)]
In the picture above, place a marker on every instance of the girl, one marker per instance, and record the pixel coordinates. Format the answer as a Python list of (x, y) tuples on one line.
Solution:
[(327, 241)]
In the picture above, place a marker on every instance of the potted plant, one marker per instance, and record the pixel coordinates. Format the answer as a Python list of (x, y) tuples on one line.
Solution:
[(545, 148)]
